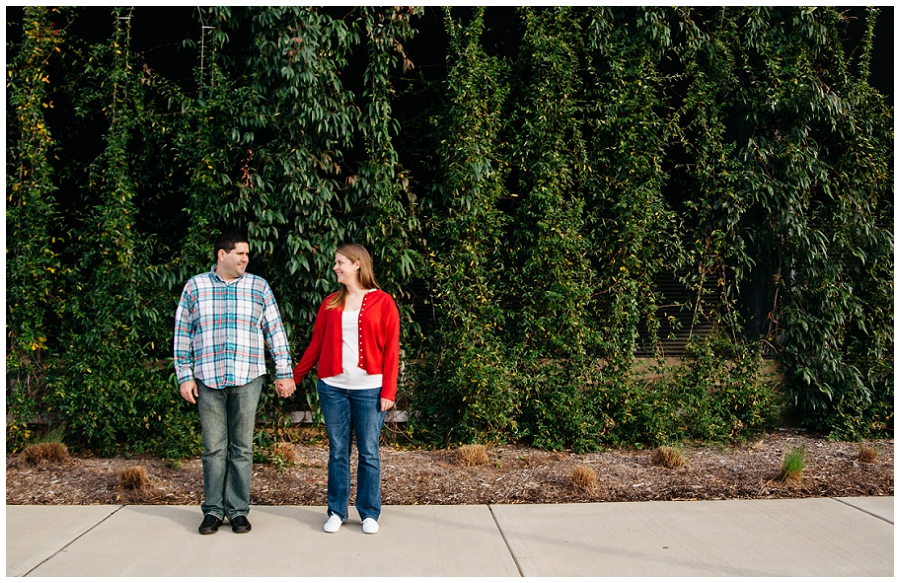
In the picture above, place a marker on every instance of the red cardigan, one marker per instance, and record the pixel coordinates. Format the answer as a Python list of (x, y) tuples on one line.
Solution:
[(379, 342)]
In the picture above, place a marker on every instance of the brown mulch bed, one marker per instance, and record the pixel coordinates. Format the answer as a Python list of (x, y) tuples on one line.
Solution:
[(512, 475)]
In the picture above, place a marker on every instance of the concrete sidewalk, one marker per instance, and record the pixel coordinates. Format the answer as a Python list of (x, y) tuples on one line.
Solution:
[(843, 537)]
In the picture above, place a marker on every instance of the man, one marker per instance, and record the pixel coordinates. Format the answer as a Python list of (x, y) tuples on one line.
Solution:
[(222, 320)]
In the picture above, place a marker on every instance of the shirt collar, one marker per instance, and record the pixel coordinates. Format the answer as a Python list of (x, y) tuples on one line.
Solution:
[(214, 275)]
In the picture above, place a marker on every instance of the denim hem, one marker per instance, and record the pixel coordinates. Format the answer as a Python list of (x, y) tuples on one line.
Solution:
[(330, 512)]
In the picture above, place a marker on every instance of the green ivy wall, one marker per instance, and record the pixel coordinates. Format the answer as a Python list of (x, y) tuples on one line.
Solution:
[(526, 179)]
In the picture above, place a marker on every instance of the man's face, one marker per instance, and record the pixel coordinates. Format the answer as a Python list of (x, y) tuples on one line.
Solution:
[(232, 265)]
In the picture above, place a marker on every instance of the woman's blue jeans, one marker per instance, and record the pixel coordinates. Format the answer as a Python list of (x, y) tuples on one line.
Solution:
[(359, 412), (227, 417)]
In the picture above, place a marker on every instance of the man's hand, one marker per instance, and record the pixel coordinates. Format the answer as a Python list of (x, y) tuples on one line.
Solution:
[(386, 404), (285, 387), (189, 391)]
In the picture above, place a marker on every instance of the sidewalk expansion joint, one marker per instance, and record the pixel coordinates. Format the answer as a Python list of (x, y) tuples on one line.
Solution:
[(68, 544), (506, 542), (891, 522)]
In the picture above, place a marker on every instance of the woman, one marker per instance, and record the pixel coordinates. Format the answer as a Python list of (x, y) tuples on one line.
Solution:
[(356, 343)]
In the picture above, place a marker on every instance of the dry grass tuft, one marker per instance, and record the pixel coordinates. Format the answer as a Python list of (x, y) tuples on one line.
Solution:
[(46, 452), (584, 478), (471, 455), (867, 454), (793, 465), (134, 478), (670, 457)]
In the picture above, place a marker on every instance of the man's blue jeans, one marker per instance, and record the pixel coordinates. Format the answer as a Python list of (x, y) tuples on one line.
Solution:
[(227, 417), (358, 411)]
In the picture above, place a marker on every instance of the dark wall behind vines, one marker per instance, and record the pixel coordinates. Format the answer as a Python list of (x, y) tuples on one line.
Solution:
[(603, 226)]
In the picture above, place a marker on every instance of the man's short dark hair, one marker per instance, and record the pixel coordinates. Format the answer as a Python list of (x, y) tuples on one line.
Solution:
[(227, 241)]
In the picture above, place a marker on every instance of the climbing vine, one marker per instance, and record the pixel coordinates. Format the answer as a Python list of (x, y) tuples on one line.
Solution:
[(470, 394), (554, 332), (32, 264), (106, 386), (819, 166)]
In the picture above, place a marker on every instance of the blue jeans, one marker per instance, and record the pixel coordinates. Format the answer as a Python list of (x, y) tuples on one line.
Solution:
[(227, 417), (359, 412)]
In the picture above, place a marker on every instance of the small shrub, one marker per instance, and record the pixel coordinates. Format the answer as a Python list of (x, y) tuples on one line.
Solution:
[(282, 455), (793, 465), (286, 450), (111, 398), (584, 478), (669, 457), (20, 406), (867, 454), (134, 478), (263, 441), (50, 451), (471, 455)]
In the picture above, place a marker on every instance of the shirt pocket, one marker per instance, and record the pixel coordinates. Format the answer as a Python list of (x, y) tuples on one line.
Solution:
[(257, 313)]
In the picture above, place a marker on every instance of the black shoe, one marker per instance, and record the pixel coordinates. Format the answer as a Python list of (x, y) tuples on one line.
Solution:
[(210, 524), (240, 524)]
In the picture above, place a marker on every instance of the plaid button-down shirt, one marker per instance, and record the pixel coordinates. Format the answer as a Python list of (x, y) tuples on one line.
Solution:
[(220, 329)]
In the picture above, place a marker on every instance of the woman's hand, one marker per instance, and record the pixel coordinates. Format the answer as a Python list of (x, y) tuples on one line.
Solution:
[(386, 404)]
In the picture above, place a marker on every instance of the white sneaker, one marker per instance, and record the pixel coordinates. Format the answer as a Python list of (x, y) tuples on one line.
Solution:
[(370, 526), (334, 523)]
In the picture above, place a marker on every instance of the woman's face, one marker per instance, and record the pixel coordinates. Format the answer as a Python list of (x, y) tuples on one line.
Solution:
[(347, 271)]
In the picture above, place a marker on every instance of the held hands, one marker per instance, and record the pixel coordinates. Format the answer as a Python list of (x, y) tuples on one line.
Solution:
[(285, 387)]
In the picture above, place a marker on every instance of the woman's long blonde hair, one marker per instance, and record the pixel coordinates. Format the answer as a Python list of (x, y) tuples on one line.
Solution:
[(365, 276)]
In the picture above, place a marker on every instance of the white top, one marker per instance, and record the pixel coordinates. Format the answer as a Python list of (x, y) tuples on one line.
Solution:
[(352, 377)]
